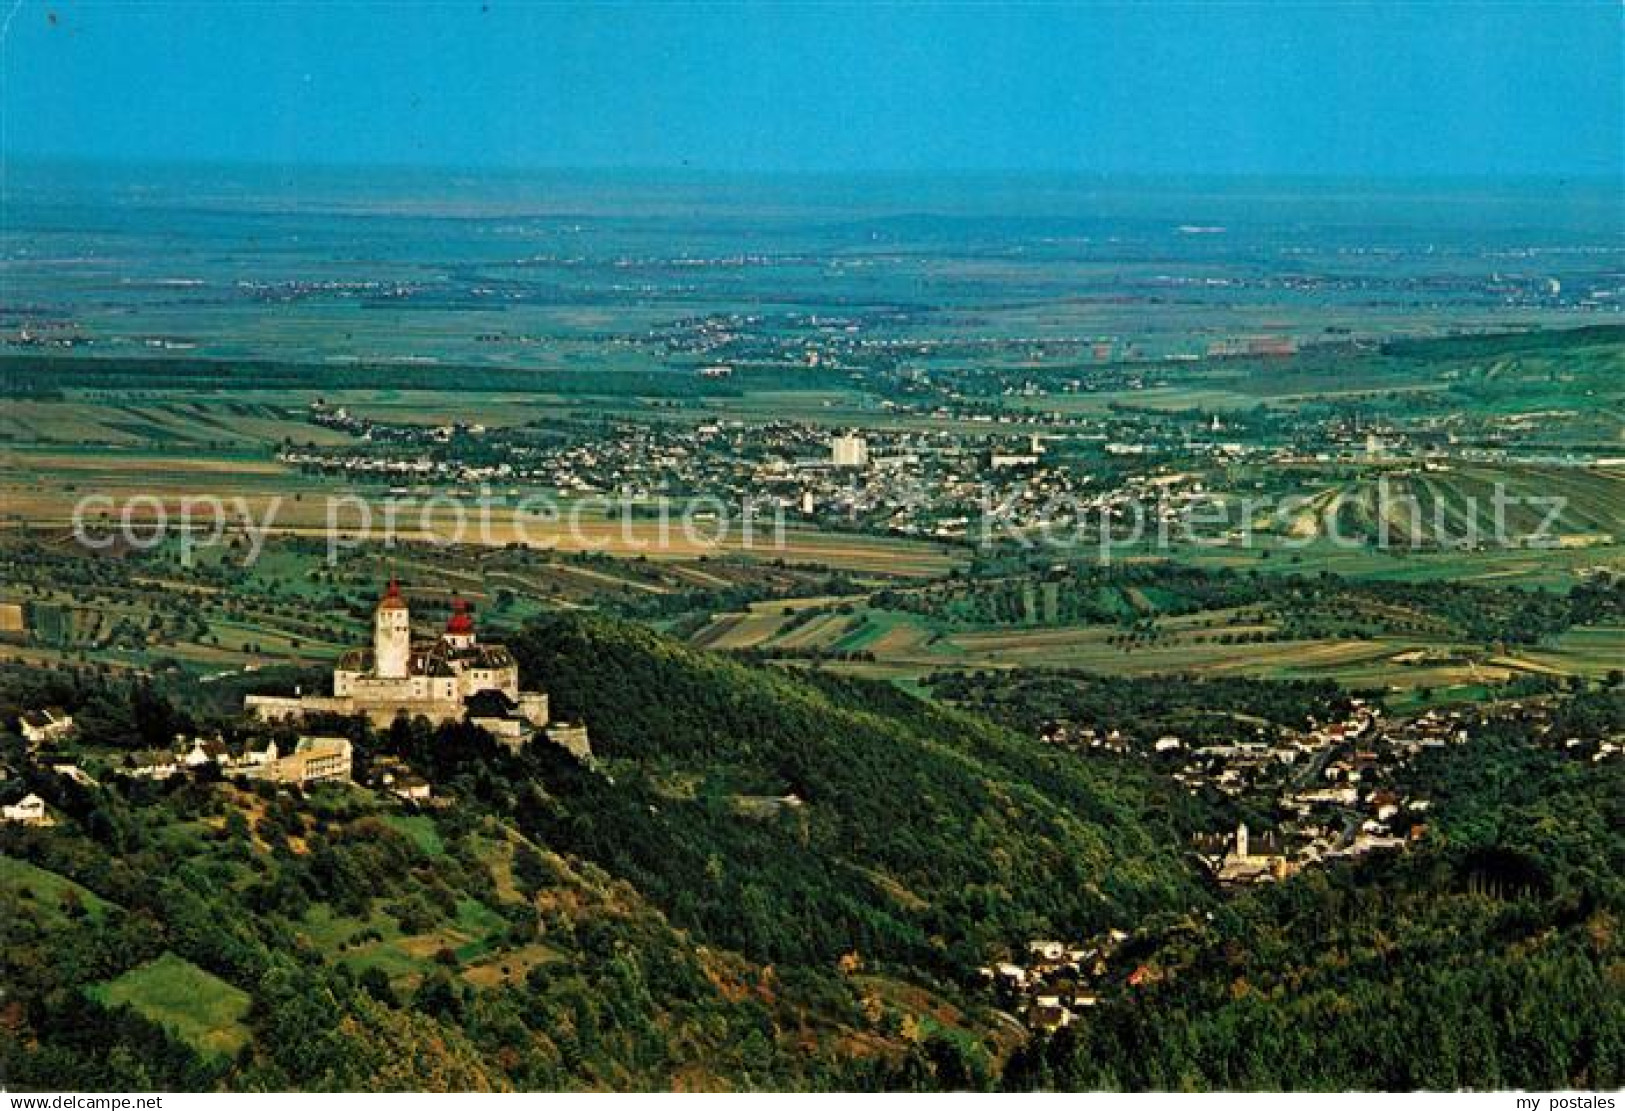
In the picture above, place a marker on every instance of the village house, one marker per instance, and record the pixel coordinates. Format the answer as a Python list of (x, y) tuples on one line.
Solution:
[(74, 774), (410, 787), (1011, 976), (156, 763), (1048, 1015), (1045, 952), (43, 726), (1384, 804), (27, 811), (391, 775), (206, 752)]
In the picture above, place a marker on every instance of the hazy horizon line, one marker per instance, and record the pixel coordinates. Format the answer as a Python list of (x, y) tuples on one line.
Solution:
[(28, 160)]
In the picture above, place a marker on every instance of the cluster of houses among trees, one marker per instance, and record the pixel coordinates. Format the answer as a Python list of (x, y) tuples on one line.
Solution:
[(1054, 982), (311, 760)]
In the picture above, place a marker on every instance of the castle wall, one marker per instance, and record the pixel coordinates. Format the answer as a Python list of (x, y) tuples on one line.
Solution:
[(269, 707), (383, 714), (533, 707), (573, 739)]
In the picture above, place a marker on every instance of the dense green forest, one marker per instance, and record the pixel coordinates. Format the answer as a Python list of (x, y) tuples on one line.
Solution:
[(1218, 709), (786, 880)]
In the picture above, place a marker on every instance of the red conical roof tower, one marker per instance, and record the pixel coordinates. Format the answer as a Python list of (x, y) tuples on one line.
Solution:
[(461, 622), (392, 596)]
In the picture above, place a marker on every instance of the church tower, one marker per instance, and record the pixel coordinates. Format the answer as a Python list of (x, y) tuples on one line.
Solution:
[(392, 635)]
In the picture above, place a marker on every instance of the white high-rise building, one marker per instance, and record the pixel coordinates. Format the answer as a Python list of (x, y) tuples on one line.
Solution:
[(849, 450)]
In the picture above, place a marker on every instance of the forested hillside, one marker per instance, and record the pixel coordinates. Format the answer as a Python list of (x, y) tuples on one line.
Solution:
[(911, 833)]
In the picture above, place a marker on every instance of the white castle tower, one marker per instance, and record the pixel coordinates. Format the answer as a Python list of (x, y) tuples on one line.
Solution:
[(392, 635)]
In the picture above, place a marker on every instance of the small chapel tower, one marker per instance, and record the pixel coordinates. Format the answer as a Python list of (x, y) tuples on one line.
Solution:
[(460, 628)]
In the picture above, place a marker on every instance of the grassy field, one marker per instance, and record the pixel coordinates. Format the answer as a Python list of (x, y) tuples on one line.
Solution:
[(46, 890), (216, 425), (1440, 504), (421, 830), (900, 646), (1556, 568), (472, 931), (196, 1006)]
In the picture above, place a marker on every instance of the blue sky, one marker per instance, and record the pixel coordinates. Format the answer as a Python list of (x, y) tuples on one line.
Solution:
[(1386, 90)]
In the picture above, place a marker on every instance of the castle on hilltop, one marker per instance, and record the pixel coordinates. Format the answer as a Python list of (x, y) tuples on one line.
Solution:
[(453, 677)]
